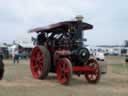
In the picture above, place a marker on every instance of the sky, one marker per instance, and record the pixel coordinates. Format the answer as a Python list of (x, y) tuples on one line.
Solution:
[(109, 18)]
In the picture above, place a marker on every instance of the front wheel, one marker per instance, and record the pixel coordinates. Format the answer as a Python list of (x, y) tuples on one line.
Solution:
[(64, 71), (93, 77)]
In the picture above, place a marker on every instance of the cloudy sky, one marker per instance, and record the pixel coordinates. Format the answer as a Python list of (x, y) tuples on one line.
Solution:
[(109, 17)]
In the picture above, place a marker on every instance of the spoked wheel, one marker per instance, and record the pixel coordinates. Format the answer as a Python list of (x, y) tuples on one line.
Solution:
[(93, 77), (64, 71), (40, 62)]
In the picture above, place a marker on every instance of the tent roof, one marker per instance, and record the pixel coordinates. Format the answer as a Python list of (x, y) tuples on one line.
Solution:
[(2, 45), (26, 45)]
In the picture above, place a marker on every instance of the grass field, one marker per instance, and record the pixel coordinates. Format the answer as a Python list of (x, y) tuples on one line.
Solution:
[(120, 68), (18, 81)]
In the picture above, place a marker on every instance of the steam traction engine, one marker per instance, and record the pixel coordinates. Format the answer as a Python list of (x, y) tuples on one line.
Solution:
[(60, 50)]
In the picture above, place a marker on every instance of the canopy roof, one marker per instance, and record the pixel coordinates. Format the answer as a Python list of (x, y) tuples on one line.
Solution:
[(61, 25)]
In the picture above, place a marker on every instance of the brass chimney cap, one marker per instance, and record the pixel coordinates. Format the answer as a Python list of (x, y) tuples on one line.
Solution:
[(79, 18)]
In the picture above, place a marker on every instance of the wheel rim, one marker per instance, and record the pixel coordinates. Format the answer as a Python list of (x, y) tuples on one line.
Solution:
[(36, 62), (95, 76), (63, 72)]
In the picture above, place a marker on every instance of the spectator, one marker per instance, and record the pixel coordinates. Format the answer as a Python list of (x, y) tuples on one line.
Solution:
[(15, 55)]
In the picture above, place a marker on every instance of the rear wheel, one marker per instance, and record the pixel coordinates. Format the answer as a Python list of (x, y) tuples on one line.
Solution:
[(64, 71), (93, 77), (40, 62)]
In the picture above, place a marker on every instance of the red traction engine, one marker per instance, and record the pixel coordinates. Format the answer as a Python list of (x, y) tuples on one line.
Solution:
[(60, 50)]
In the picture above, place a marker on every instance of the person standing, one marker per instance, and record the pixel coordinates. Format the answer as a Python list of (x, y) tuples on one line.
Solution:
[(15, 55)]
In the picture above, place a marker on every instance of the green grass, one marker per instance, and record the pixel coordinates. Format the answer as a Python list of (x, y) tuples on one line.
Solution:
[(119, 68), (18, 81)]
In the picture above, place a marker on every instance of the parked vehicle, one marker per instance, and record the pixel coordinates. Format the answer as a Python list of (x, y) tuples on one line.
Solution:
[(1, 66), (126, 58), (60, 50), (100, 56)]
